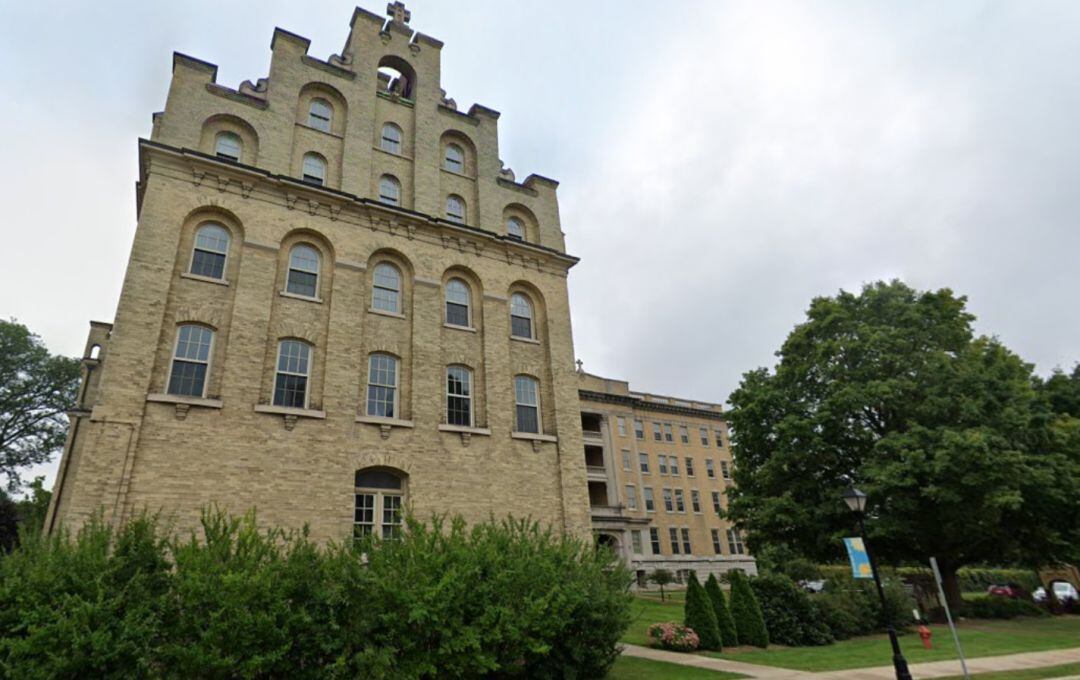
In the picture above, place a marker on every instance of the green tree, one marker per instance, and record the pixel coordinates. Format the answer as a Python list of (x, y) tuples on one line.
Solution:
[(728, 634), (36, 389), (746, 612), (698, 614), (890, 390), (662, 577), (34, 506), (9, 522)]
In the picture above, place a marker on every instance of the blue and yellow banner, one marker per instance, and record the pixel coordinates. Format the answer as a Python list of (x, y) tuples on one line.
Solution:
[(860, 561)]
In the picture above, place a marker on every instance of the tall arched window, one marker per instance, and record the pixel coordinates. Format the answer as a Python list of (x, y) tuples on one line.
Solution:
[(191, 361), (455, 208), (303, 277), (228, 145), (314, 170), (389, 190), (386, 288), (521, 316), (380, 495), (293, 371), (526, 404), (454, 158), (320, 113), (210, 252), (515, 228), (382, 386), (459, 396), (391, 138), (458, 303)]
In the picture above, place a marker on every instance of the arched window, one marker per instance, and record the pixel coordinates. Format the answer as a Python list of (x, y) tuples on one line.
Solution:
[(515, 228), (521, 316), (459, 396), (210, 251), (454, 158), (527, 404), (293, 371), (303, 278), (455, 208), (380, 495), (320, 113), (391, 138), (382, 386), (386, 288), (228, 145), (458, 301), (314, 170), (389, 190), (191, 361)]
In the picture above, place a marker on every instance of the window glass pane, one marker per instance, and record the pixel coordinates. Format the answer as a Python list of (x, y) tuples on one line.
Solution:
[(391, 517), (458, 396), (455, 209), (319, 115), (314, 169), (187, 378), (303, 277), (387, 284), (525, 390), (364, 514), (382, 384), (391, 138), (457, 303), (193, 342), (212, 238), (455, 158), (290, 390), (515, 228), (228, 146), (377, 479), (389, 190)]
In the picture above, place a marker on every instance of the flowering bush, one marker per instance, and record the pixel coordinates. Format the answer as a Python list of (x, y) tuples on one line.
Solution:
[(673, 636)]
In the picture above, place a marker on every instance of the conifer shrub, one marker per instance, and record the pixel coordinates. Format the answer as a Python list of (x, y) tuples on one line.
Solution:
[(700, 616), (728, 636), (790, 617), (745, 610), (505, 599)]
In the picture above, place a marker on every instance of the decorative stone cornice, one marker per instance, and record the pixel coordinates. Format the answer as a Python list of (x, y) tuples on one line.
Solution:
[(644, 405)]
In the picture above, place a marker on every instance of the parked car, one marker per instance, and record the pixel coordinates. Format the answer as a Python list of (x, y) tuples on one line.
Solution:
[(813, 586), (1011, 590), (1063, 590)]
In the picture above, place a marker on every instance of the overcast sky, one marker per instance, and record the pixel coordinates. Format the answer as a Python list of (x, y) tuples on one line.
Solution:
[(721, 163)]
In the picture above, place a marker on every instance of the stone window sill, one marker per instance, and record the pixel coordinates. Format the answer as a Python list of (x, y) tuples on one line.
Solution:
[(383, 312), (294, 296), (536, 439), (204, 279), (290, 414), (183, 403), (455, 173), (385, 424), (456, 327), (391, 153), (465, 432), (530, 341)]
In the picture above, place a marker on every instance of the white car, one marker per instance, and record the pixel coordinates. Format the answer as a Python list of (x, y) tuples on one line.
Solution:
[(1063, 590)]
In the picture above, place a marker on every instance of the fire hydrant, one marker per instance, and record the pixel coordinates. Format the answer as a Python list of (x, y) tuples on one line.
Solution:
[(925, 634)]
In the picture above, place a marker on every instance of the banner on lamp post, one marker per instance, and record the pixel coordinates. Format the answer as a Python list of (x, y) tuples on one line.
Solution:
[(860, 561)]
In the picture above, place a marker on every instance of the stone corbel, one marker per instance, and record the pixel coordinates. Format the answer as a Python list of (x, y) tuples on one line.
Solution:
[(465, 437), (246, 189), (384, 431), (412, 231), (290, 422), (335, 211), (182, 411), (290, 200), (414, 48), (197, 177), (223, 183), (478, 247), (536, 445), (312, 207)]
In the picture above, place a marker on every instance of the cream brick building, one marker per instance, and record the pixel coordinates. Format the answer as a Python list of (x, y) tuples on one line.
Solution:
[(338, 301), (658, 472)]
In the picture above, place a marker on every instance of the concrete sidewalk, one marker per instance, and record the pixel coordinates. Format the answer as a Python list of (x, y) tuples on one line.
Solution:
[(920, 671)]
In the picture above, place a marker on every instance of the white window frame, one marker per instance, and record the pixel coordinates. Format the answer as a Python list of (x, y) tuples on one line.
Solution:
[(673, 465), (654, 541), (306, 375), (687, 547), (639, 429), (539, 415), (643, 462), (319, 120), (635, 541), (717, 546), (689, 465), (673, 537), (627, 463), (620, 422), (515, 306), (395, 142), (703, 432), (377, 286), (380, 498), (735, 543), (207, 362), (684, 434), (455, 203), (462, 286), (631, 497), (319, 163), (695, 501), (725, 470), (229, 134), (661, 465), (395, 405), (195, 248), (710, 471), (467, 397), (648, 499), (718, 507), (515, 228), (669, 500), (680, 500), (448, 162), (394, 183)]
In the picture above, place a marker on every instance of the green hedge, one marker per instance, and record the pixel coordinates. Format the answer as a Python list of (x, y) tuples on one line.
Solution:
[(852, 607), (505, 599), (995, 607), (789, 615), (972, 579)]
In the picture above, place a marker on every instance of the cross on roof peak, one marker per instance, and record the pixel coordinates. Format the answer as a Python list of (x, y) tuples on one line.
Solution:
[(397, 12)]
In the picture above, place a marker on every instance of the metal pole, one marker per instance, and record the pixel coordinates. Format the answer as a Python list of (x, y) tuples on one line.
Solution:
[(899, 662), (948, 615)]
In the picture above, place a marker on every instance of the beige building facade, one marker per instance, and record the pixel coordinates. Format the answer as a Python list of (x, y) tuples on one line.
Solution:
[(658, 473), (338, 304)]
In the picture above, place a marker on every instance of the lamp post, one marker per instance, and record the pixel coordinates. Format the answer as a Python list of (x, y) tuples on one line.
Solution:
[(856, 501)]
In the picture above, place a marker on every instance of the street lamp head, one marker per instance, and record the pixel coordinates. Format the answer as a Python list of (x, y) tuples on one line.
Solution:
[(855, 499)]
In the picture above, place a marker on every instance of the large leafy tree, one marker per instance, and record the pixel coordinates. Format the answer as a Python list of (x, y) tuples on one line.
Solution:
[(961, 455), (36, 389)]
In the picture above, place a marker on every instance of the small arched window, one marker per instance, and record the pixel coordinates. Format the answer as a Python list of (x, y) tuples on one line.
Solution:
[(455, 208), (382, 386), (391, 138), (459, 396), (515, 228), (228, 145), (526, 404), (320, 113), (191, 361), (521, 316), (458, 302), (314, 170), (210, 252), (303, 277), (454, 158), (293, 371), (379, 498), (386, 288), (389, 190)]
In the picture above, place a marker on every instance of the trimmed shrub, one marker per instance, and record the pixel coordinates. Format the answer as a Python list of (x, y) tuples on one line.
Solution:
[(851, 607), (496, 599), (790, 617), (728, 636), (972, 579), (673, 636), (745, 610), (994, 607), (699, 615)]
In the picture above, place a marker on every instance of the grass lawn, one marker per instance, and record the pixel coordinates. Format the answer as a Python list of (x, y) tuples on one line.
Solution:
[(979, 638), (631, 668), (1026, 674), (647, 610)]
